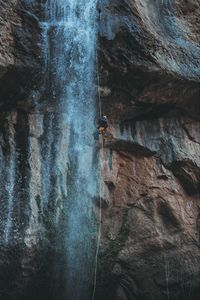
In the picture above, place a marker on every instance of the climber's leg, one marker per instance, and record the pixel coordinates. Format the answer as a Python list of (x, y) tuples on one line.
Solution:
[(96, 135)]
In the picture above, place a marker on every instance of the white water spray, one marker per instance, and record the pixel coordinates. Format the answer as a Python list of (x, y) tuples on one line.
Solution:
[(10, 183), (70, 62)]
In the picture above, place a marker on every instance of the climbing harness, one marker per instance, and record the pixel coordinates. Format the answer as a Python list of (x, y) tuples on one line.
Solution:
[(100, 131), (100, 185)]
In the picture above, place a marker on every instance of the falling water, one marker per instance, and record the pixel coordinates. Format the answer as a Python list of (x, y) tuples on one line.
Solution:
[(10, 182), (70, 36), (10, 194)]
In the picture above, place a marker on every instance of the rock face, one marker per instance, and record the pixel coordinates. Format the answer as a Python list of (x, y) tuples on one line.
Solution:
[(149, 77), (149, 56), (32, 242), (20, 53), (29, 226)]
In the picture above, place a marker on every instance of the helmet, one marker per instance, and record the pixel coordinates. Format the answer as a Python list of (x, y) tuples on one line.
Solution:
[(105, 118)]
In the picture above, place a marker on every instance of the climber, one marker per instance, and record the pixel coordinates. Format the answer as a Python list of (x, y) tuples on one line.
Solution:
[(102, 126)]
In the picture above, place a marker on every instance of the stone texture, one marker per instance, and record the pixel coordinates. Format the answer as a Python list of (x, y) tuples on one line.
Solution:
[(20, 53), (148, 57), (31, 226), (150, 244), (149, 85)]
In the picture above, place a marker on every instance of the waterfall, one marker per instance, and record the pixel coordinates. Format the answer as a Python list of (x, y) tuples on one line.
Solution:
[(10, 181), (70, 38), (10, 194)]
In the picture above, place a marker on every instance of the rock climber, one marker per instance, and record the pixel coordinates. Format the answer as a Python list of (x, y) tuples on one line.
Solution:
[(102, 126)]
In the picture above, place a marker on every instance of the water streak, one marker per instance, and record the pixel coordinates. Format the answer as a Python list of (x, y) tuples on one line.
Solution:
[(70, 54), (10, 183)]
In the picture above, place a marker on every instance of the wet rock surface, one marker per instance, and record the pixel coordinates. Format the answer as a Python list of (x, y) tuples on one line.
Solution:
[(32, 235), (149, 84)]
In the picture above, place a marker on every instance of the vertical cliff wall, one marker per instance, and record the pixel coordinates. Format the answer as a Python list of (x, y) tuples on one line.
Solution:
[(148, 53)]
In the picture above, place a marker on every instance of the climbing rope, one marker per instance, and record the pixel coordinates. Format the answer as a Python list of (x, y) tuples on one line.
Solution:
[(98, 83), (100, 186)]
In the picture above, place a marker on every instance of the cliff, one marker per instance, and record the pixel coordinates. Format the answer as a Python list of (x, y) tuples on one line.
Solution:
[(149, 73), (148, 61)]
